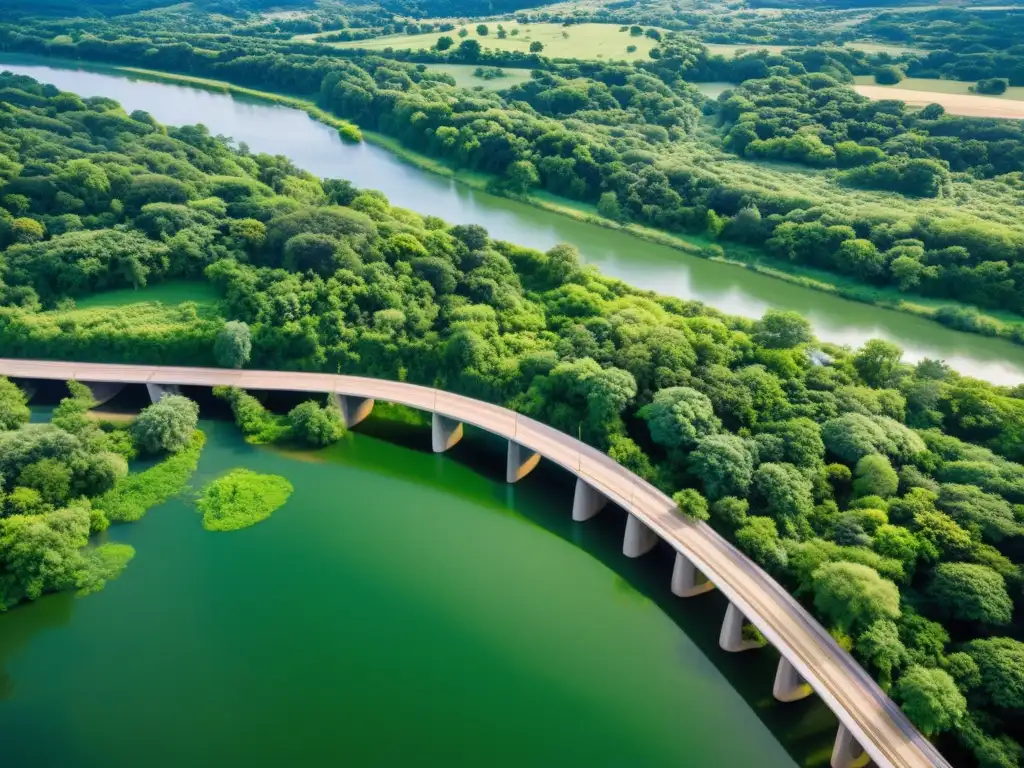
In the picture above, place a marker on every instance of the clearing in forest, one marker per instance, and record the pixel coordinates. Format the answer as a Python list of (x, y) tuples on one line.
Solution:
[(465, 76), (578, 41)]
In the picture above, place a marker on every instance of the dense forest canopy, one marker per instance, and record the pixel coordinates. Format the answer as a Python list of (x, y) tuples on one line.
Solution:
[(888, 497), (914, 200)]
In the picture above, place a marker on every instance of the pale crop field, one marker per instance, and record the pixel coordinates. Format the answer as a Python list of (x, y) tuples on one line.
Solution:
[(579, 41), (464, 77), (733, 49), (954, 96)]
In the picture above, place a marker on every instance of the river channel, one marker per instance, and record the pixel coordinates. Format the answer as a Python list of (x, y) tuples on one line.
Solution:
[(315, 147), (403, 608)]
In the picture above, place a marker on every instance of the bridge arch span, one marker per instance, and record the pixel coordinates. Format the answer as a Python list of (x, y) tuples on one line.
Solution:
[(871, 725)]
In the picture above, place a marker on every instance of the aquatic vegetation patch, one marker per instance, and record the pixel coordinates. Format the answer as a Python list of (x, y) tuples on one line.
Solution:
[(102, 564), (241, 498), (132, 496)]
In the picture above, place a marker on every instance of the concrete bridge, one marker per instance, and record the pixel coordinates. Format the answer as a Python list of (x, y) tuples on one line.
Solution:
[(872, 728)]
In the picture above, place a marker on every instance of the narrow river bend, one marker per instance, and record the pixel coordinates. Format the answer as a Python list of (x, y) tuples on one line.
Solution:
[(317, 148)]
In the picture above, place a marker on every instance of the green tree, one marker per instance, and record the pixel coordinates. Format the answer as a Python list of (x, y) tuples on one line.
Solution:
[(444, 43), (13, 405), (888, 75), (608, 206), (854, 596), (931, 699), (970, 592), (1000, 661), (724, 464), (781, 329), (875, 477), (40, 553), (691, 504), (166, 425), (880, 646), (469, 50), (678, 417), (50, 477), (536, 46), (315, 425), (522, 176), (25, 230), (233, 344), (786, 494), (482, 30), (878, 362), (759, 537)]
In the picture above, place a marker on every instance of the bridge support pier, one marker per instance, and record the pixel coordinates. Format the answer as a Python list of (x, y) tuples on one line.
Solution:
[(847, 753), (639, 539), (444, 432), (520, 462), (104, 391), (789, 686), (353, 409), (587, 501), (158, 391), (687, 581), (731, 637)]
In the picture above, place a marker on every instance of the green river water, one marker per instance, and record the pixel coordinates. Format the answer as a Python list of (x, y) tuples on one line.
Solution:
[(402, 609), (317, 148)]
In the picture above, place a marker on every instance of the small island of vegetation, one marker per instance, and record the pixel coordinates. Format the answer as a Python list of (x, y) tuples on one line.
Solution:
[(241, 498)]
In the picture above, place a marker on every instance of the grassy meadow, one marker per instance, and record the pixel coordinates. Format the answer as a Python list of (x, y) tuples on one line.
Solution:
[(580, 41), (464, 77)]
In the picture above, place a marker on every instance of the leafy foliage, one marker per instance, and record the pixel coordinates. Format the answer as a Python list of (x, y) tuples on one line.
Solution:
[(241, 498)]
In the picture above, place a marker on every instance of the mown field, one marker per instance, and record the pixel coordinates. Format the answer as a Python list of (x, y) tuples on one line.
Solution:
[(581, 41), (464, 77), (954, 95)]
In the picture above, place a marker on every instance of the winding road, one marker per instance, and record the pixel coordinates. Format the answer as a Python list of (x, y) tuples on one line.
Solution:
[(863, 709)]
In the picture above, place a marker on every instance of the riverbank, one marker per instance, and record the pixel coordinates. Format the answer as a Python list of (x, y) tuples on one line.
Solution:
[(348, 131), (1001, 324), (959, 317)]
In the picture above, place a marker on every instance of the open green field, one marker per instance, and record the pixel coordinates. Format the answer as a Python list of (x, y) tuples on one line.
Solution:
[(173, 292), (464, 77), (580, 41)]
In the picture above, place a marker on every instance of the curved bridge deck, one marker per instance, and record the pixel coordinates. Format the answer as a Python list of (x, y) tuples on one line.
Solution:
[(867, 716)]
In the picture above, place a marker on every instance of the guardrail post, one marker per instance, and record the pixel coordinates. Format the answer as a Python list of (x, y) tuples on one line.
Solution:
[(353, 409), (789, 685), (639, 539), (847, 753), (687, 581), (519, 462), (444, 432), (158, 391), (587, 501), (731, 637)]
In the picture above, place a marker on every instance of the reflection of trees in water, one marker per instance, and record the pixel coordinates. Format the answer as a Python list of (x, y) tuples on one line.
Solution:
[(20, 625)]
